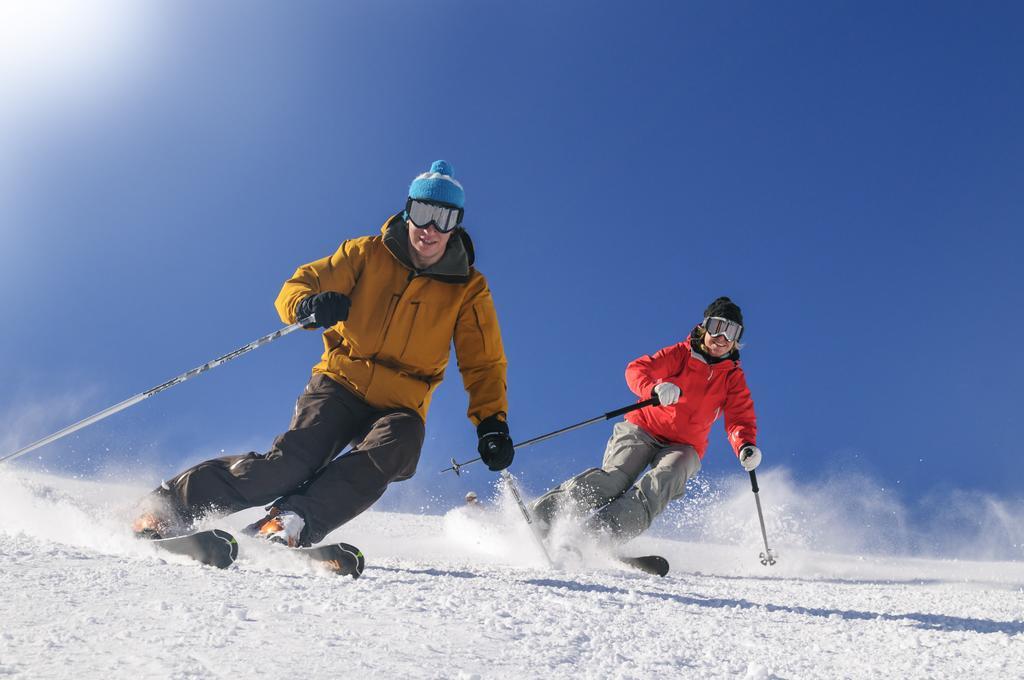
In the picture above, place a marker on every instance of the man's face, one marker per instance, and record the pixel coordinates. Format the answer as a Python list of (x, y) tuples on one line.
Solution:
[(428, 243)]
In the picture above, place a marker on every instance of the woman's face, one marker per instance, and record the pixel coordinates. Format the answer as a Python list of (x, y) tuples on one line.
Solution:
[(717, 346)]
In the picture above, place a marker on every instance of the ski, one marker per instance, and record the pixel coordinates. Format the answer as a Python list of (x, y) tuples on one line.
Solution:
[(650, 564), (341, 558), (214, 547)]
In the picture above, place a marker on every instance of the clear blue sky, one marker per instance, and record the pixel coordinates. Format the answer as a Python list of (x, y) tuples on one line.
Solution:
[(851, 173)]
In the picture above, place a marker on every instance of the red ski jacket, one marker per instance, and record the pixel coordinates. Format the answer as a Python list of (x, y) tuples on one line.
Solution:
[(707, 389)]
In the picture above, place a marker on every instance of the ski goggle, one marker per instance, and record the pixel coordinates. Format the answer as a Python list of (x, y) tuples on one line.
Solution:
[(444, 218), (716, 325)]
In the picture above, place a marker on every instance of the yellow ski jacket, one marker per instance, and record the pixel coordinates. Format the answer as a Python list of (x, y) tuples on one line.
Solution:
[(393, 348)]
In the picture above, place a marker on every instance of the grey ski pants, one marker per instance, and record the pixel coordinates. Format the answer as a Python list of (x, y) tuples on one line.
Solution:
[(302, 471), (626, 502)]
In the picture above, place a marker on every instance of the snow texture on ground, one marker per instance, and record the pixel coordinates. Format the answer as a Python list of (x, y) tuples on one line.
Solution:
[(468, 595)]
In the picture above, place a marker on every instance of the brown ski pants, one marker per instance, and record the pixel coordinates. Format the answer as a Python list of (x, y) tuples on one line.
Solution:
[(302, 472)]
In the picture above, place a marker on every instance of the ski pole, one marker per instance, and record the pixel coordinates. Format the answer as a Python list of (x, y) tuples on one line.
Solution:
[(766, 557), (653, 401), (131, 401), (510, 482)]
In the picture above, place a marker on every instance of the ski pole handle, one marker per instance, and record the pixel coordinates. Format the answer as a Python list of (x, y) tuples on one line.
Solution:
[(753, 482)]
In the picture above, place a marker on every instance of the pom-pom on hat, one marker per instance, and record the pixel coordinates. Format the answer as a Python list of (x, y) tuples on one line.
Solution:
[(438, 186), (725, 308)]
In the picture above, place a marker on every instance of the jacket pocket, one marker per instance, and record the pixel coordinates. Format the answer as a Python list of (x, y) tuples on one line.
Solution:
[(388, 316), (428, 337), (483, 324)]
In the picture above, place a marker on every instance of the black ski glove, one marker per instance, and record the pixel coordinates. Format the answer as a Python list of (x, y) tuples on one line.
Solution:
[(329, 308), (495, 446)]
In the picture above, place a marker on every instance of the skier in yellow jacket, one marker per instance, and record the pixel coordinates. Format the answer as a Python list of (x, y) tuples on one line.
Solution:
[(391, 306)]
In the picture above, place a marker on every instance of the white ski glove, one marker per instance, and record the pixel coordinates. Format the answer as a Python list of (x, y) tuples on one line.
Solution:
[(667, 393), (750, 457)]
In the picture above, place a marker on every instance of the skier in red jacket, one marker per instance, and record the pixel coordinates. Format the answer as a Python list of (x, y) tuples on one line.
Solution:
[(695, 380)]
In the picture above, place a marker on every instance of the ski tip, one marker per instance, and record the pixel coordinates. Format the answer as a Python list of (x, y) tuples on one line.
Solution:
[(655, 565), (213, 547), (358, 561), (232, 544), (343, 559)]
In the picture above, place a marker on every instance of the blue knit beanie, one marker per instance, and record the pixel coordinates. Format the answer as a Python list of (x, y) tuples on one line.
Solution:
[(438, 186)]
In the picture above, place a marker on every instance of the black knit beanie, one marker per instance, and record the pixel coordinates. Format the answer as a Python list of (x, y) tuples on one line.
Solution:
[(725, 308)]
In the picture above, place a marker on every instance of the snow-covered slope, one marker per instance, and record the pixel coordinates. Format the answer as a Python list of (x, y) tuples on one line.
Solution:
[(466, 595)]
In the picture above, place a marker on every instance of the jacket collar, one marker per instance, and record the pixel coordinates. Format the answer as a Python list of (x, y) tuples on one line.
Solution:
[(696, 348), (453, 267)]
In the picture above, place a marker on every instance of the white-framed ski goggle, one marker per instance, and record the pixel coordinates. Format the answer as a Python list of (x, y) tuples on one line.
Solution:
[(445, 218), (716, 326)]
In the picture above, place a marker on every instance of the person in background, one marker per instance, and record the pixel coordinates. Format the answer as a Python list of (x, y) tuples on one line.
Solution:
[(655, 450)]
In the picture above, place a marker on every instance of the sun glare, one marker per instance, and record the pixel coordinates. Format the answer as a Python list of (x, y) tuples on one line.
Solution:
[(51, 45), (61, 60)]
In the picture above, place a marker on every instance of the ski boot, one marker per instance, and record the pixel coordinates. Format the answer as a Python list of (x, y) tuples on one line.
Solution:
[(279, 526)]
